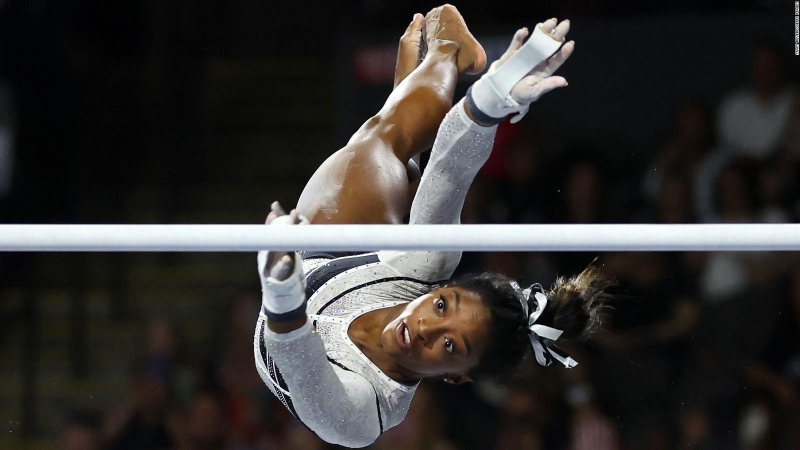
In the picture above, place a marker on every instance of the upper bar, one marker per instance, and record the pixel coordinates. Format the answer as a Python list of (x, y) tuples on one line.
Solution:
[(250, 238)]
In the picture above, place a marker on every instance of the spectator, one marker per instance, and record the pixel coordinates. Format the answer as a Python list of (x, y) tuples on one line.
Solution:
[(583, 192), (591, 429), (581, 201), (694, 429), (250, 421), (753, 121), (524, 418), (673, 202), (759, 424), (147, 420), (691, 152), (775, 373), (520, 185), (791, 141), (777, 189), (726, 274), (205, 427), (165, 357), (162, 386), (639, 360), (534, 412)]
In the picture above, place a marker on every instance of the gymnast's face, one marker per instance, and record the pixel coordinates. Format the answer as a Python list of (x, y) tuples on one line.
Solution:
[(441, 334)]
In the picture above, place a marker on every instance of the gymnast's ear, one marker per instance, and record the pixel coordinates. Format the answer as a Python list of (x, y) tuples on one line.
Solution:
[(457, 379)]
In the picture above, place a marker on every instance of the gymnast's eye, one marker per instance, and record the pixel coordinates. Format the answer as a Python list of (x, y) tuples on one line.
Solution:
[(440, 304), (448, 345)]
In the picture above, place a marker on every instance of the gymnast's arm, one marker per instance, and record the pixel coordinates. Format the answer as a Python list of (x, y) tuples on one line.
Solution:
[(464, 141), (339, 406), (459, 151)]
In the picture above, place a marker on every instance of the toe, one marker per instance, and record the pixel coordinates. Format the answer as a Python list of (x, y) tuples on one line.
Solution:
[(416, 24), (413, 33)]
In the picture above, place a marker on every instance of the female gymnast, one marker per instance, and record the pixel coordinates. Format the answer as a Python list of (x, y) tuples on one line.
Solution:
[(343, 341)]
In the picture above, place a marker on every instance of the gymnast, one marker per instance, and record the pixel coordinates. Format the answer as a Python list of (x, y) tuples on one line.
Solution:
[(343, 340)]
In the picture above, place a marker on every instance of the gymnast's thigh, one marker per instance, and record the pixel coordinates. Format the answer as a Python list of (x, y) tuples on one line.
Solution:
[(361, 183)]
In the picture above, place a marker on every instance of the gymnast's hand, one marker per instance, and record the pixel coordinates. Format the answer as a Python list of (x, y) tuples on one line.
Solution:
[(522, 75), (281, 264), (540, 80)]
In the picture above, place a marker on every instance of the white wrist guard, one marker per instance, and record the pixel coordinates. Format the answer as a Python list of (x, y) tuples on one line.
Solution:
[(489, 99), (282, 300)]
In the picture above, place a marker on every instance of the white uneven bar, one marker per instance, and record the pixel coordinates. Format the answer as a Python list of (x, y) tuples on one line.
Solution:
[(250, 238)]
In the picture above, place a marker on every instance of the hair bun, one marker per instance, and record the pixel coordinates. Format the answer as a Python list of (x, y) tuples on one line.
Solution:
[(575, 304)]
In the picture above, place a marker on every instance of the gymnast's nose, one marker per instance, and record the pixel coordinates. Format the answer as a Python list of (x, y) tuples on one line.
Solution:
[(422, 330), (426, 331)]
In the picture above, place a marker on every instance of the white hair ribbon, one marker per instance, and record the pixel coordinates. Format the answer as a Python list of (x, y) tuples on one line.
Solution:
[(542, 337)]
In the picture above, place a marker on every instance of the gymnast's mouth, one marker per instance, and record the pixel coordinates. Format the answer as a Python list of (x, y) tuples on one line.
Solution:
[(403, 336)]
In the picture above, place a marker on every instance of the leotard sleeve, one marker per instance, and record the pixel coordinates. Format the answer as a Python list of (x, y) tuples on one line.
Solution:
[(340, 406), (459, 151)]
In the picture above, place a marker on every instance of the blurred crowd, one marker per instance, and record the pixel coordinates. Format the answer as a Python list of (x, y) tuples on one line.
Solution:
[(700, 350)]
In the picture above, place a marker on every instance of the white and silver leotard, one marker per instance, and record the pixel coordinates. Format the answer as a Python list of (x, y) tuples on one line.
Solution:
[(317, 371)]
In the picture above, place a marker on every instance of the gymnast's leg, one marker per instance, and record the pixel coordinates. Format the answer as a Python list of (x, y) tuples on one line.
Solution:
[(367, 181)]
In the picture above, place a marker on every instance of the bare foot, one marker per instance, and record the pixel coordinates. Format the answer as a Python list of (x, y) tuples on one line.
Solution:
[(446, 23), (410, 49)]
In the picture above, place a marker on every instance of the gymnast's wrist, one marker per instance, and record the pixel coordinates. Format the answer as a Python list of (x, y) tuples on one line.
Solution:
[(289, 316), (282, 300), (286, 331), (477, 114)]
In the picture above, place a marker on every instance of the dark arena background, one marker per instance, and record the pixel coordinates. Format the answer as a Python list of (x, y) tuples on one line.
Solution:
[(178, 111)]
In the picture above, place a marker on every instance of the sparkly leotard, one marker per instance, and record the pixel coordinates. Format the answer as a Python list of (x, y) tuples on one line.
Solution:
[(317, 371)]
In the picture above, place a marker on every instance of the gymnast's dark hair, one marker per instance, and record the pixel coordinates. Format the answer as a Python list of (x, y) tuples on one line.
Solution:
[(574, 305)]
